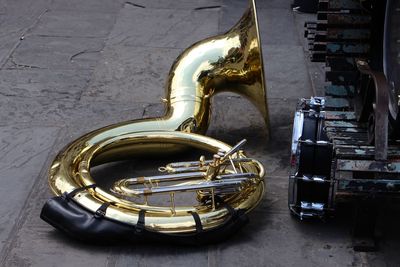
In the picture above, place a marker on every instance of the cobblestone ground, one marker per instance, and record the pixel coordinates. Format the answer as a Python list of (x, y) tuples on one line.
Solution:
[(67, 67)]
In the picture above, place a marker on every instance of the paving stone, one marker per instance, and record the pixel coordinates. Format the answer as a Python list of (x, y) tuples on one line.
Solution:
[(74, 24), (286, 72), (35, 243), (45, 111), (23, 151), (7, 44), (163, 27), (52, 84), (300, 19), (25, 110), (178, 4), (156, 255), (230, 15), (125, 69), (131, 74), (99, 6), (234, 118), (260, 4), (276, 25), (23, 8), (16, 18), (56, 53), (274, 239), (88, 116)]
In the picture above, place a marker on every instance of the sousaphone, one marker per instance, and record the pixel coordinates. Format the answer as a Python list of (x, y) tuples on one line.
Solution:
[(224, 187)]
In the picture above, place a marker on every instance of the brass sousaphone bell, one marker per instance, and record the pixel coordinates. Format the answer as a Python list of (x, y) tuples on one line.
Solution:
[(226, 187)]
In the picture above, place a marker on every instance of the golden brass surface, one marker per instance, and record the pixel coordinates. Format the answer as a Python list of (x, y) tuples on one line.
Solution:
[(228, 62)]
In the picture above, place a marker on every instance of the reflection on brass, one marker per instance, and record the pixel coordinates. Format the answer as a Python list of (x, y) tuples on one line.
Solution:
[(228, 62)]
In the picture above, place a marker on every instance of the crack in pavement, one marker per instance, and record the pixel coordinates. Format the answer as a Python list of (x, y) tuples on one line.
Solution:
[(24, 32), (83, 52), (133, 4)]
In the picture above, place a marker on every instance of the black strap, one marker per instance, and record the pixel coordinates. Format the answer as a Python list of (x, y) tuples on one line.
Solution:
[(101, 212), (77, 190), (230, 209), (196, 217), (141, 221)]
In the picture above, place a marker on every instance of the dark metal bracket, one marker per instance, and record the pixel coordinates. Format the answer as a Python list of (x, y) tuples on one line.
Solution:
[(381, 109)]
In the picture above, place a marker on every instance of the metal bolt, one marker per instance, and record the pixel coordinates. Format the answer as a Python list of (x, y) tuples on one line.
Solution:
[(221, 154), (391, 167), (390, 186), (202, 161), (216, 159), (361, 62)]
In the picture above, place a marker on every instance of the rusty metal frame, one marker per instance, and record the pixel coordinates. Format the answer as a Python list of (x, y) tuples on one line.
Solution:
[(381, 109)]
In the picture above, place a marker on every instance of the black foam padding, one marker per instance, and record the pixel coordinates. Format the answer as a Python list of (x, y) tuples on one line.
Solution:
[(70, 217)]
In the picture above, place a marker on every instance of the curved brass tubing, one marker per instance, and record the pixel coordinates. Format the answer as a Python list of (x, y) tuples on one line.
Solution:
[(228, 62)]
